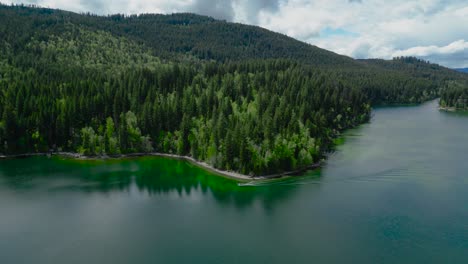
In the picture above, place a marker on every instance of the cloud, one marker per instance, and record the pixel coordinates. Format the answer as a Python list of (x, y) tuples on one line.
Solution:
[(234, 10), (221, 9), (454, 53), (358, 28), (231, 10), (113, 6), (248, 11), (454, 47), (376, 28)]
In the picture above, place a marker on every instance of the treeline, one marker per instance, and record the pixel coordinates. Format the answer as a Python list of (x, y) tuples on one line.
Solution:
[(256, 117), (455, 96)]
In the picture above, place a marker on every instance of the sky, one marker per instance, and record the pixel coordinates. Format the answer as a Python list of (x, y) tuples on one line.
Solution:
[(434, 30)]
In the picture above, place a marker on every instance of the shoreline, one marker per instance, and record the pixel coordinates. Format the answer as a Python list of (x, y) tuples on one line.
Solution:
[(200, 164), (448, 109), (452, 109)]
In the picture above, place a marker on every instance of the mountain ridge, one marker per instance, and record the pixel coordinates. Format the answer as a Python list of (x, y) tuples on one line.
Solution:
[(171, 25), (179, 30)]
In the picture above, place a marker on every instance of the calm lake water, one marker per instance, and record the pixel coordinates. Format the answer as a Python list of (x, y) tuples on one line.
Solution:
[(395, 192)]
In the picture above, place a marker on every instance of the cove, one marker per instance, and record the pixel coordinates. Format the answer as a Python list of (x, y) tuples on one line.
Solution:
[(395, 191)]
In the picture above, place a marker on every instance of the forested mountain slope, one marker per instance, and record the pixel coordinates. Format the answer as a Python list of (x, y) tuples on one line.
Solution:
[(238, 97), (193, 37), (189, 34), (403, 80)]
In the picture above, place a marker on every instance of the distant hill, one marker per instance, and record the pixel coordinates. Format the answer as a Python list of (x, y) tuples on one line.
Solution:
[(190, 34), (415, 67), (465, 70)]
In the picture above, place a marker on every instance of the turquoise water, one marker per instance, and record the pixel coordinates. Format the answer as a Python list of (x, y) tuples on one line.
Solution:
[(396, 191)]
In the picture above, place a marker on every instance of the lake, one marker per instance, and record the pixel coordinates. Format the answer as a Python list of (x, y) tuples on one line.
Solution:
[(396, 191)]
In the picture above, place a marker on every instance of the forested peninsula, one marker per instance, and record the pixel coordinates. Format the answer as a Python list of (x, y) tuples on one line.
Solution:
[(239, 98)]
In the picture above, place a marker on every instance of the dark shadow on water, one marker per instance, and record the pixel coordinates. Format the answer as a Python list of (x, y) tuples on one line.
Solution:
[(460, 113), (149, 175)]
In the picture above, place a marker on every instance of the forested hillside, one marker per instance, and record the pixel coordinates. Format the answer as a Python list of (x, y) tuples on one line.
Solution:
[(188, 34), (192, 37), (238, 97), (404, 80)]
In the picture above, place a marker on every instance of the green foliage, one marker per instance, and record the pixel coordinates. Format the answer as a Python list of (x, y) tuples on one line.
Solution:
[(240, 98), (455, 95), (2, 137), (38, 142), (78, 47), (110, 139), (90, 142), (403, 80)]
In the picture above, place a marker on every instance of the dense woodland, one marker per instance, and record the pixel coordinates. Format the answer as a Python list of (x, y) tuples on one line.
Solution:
[(454, 96), (238, 97)]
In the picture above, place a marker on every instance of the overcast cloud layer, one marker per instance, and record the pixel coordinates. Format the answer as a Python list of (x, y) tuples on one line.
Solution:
[(434, 30)]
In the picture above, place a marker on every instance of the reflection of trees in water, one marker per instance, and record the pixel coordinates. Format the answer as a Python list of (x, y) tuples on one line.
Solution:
[(458, 113), (61, 174), (150, 175)]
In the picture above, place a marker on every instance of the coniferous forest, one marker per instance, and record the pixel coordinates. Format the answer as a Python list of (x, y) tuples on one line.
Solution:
[(454, 96), (238, 97)]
